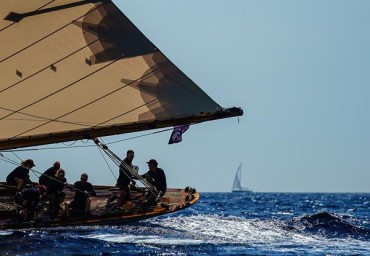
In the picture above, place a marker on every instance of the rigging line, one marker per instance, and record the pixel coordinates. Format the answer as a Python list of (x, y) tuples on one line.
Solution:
[(69, 144), (52, 33), (3, 158), (15, 155), (56, 119), (22, 113), (8, 160), (152, 102), (110, 169), (11, 160), (85, 146), (91, 102), (145, 104), (14, 22), (159, 68), (139, 136), (139, 177), (123, 164), (62, 89), (11, 24), (50, 148), (47, 67), (39, 117), (16, 163), (51, 120), (18, 111), (113, 157)]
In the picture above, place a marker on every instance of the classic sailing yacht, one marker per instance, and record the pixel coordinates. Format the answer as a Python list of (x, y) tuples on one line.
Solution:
[(79, 70), (237, 187)]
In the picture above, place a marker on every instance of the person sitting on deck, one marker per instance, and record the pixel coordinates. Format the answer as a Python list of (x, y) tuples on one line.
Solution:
[(20, 177), (81, 202), (28, 199), (56, 193), (157, 178), (49, 173)]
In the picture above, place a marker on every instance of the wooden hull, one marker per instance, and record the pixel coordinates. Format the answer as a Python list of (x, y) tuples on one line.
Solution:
[(174, 200)]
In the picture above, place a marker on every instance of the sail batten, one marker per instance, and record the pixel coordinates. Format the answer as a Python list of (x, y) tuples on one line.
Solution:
[(73, 70)]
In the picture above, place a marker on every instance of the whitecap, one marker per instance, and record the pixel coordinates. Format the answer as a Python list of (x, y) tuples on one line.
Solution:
[(143, 239), (5, 233), (272, 234)]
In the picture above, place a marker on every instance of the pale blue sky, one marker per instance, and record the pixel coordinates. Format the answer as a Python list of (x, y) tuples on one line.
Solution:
[(300, 71)]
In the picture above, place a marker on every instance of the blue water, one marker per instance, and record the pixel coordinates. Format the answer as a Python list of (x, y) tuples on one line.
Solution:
[(220, 224)]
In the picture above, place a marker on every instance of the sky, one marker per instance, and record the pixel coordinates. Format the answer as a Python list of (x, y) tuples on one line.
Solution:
[(298, 69)]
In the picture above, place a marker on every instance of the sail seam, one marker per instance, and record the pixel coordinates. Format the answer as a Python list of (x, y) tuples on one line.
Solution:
[(64, 88), (96, 100), (47, 67), (146, 103), (14, 22), (44, 37)]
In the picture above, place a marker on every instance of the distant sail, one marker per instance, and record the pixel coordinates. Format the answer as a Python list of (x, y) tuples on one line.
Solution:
[(75, 70), (237, 187)]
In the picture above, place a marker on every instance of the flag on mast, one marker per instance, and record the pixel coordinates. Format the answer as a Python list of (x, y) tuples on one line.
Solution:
[(177, 132)]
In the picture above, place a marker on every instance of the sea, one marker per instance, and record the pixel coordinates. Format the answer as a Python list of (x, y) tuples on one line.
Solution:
[(219, 224)]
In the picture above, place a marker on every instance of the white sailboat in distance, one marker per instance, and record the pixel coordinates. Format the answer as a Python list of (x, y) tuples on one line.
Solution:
[(237, 187)]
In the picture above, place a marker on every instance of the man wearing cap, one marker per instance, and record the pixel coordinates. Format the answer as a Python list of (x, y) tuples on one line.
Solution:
[(20, 175), (157, 178)]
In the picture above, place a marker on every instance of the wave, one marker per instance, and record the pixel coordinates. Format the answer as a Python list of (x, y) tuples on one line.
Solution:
[(317, 233), (304, 232), (332, 225), (143, 239), (214, 229), (5, 233), (236, 230)]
